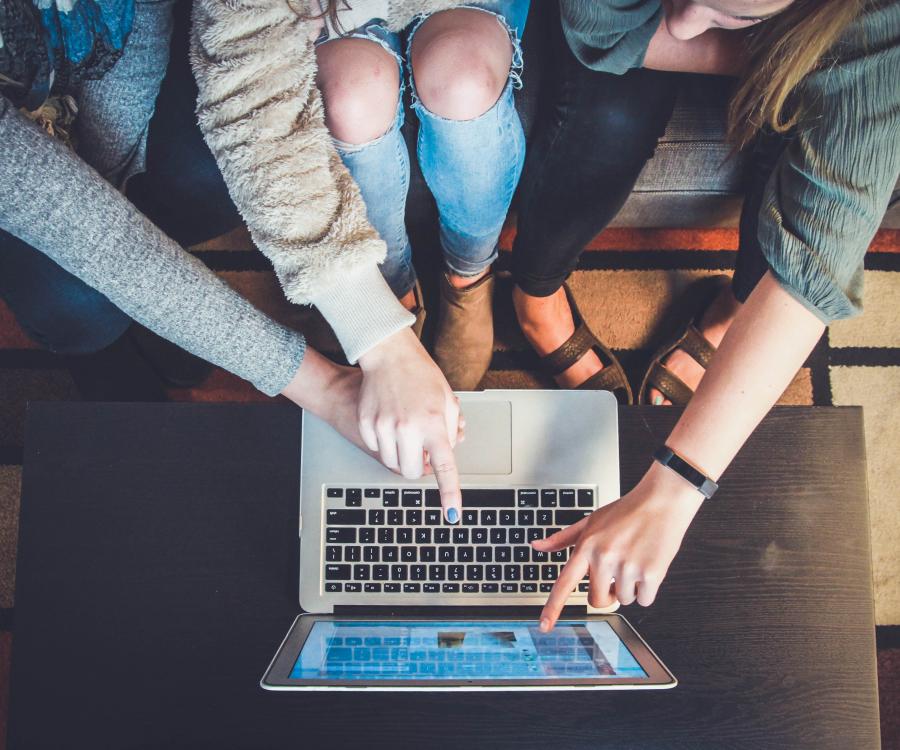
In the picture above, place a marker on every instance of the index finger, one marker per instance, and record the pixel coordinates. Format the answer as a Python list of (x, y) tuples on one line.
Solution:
[(569, 578), (443, 464)]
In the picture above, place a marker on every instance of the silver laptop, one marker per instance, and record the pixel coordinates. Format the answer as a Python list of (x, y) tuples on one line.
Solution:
[(532, 462)]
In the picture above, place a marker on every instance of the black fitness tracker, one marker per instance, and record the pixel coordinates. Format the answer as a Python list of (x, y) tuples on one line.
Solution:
[(704, 485)]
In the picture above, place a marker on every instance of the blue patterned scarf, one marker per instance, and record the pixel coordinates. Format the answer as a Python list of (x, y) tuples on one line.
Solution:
[(48, 46)]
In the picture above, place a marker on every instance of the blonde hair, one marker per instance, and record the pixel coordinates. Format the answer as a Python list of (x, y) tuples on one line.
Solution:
[(782, 52)]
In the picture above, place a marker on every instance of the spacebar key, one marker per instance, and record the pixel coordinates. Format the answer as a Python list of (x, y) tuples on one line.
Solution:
[(489, 498)]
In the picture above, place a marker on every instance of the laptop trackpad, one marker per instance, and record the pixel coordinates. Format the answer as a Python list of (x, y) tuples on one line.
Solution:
[(487, 448)]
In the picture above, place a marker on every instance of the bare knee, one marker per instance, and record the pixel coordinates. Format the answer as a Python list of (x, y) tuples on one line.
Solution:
[(461, 60), (360, 85)]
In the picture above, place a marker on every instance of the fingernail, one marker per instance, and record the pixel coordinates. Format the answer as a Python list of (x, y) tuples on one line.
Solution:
[(657, 400), (545, 624), (452, 515)]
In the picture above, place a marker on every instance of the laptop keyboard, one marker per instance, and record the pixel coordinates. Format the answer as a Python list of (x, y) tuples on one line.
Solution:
[(387, 540)]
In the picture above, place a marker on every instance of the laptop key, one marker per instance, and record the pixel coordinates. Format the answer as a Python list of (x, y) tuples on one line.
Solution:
[(423, 536), (455, 572), (353, 497), (372, 492), (488, 517), (531, 572), (389, 554), (404, 536), (482, 554), (412, 588), (352, 587), (432, 517), (409, 554), (334, 492), (442, 535), (469, 517), (376, 517), (427, 554), (560, 555), (538, 556), (340, 536), (517, 536), (432, 499), (521, 554), (534, 533), (480, 536), (390, 498), (568, 517), (431, 588), (395, 517), (493, 572), (507, 518), (353, 553), (450, 588), (528, 499), (370, 554), (411, 498), (548, 498), (333, 554), (398, 572), (437, 572), (512, 572), (460, 536), (465, 554), (391, 588), (584, 587), (474, 572), (528, 588), (546, 588), (498, 536), (489, 588), (446, 554), (549, 572), (567, 498), (414, 517), (488, 498), (337, 572), (380, 572), (470, 588), (344, 517), (502, 554), (509, 588), (372, 588), (418, 572), (333, 588), (526, 517), (385, 536), (544, 517), (367, 536), (585, 498)]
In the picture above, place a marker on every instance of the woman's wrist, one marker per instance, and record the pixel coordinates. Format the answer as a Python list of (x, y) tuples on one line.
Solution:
[(313, 384), (663, 487)]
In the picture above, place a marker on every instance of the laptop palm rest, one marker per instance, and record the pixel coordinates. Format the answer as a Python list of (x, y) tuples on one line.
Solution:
[(487, 448)]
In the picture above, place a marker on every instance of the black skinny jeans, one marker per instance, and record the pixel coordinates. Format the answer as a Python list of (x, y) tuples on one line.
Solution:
[(588, 151)]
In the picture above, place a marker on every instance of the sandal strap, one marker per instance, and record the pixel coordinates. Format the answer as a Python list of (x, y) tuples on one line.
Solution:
[(669, 384), (573, 349), (610, 378), (695, 344)]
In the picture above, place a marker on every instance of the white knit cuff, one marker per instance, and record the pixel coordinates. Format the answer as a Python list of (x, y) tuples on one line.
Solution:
[(362, 310)]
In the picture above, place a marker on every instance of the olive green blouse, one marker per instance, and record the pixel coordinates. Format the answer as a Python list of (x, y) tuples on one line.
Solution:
[(831, 186)]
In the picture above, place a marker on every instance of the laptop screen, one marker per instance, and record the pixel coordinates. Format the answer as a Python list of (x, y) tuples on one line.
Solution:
[(513, 650)]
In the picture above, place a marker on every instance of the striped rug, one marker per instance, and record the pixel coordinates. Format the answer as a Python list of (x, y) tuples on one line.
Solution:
[(625, 282)]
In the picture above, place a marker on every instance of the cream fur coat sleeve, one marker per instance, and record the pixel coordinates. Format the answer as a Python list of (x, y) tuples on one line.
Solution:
[(262, 116)]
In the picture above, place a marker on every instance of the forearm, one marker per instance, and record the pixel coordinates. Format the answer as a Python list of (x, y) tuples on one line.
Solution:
[(716, 52), (764, 348), (55, 202)]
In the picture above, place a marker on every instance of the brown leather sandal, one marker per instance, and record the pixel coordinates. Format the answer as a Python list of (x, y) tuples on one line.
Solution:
[(694, 303), (610, 378)]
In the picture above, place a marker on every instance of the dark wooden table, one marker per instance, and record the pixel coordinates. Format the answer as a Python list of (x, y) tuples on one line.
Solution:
[(157, 573)]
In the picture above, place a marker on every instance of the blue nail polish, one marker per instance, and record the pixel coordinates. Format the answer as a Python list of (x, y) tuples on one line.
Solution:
[(452, 515)]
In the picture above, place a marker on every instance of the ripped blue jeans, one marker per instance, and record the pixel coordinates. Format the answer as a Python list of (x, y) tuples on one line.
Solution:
[(472, 167)]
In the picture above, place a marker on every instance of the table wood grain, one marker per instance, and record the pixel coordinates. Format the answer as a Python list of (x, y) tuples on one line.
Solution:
[(157, 574)]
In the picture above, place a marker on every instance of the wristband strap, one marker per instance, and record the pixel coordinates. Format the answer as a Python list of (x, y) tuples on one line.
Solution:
[(704, 485)]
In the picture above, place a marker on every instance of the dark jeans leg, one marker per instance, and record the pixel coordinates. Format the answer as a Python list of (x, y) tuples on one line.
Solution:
[(751, 264), (584, 161), (182, 190)]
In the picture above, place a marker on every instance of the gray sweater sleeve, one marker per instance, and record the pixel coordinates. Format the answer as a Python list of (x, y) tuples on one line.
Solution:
[(52, 200)]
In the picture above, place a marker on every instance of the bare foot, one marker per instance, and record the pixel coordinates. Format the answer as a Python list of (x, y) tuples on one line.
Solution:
[(713, 325), (547, 323), (409, 301), (461, 282)]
